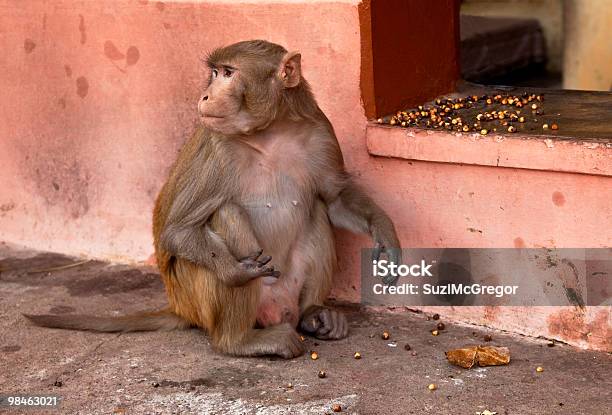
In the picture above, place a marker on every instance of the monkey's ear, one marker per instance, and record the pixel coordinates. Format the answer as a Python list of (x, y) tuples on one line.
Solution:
[(291, 69)]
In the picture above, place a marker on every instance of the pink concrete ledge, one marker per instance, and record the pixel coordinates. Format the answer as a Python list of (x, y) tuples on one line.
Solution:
[(533, 153)]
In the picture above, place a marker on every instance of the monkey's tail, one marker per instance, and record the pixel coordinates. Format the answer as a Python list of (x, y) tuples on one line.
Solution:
[(163, 320)]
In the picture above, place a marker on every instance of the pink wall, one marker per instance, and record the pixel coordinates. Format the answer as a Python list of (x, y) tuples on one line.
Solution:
[(99, 96)]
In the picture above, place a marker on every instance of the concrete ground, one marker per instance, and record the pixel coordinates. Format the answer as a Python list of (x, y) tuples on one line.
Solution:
[(177, 372)]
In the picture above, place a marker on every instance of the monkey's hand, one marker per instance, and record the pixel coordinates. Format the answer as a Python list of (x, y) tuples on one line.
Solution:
[(393, 253), (251, 267), (324, 323)]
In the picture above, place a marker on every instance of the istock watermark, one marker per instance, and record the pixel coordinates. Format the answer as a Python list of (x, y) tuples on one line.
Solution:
[(448, 289), (384, 268), (500, 277)]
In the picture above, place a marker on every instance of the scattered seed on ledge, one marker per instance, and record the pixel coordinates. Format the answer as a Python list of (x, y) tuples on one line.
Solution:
[(447, 113), (336, 408), (357, 355), (432, 387), (434, 332), (322, 374), (539, 369), (314, 355), (545, 126), (385, 335), (441, 326), (406, 346), (554, 127), (436, 316)]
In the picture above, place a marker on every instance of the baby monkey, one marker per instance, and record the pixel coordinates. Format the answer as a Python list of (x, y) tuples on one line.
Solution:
[(243, 225)]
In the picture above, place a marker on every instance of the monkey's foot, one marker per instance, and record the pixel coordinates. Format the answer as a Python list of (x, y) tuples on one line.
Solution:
[(281, 340), (289, 344), (324, 323)]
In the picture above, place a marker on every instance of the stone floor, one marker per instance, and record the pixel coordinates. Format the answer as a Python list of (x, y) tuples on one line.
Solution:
[(177, 372)]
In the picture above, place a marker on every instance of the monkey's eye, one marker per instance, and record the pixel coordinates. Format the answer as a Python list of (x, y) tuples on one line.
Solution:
[(215, 73), (227, 73)]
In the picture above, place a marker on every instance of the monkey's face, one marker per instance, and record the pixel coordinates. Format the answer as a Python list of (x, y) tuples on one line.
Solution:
[(247, 86), (238, 101)]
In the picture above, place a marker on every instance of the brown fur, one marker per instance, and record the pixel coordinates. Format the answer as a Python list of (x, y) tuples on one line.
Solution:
[(264, 174), (148, 321)]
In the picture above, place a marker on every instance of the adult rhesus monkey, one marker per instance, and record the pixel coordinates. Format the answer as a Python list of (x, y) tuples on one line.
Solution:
[(242, 226)]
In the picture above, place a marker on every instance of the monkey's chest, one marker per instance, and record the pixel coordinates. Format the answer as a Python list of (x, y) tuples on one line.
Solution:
[(278, 202)]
